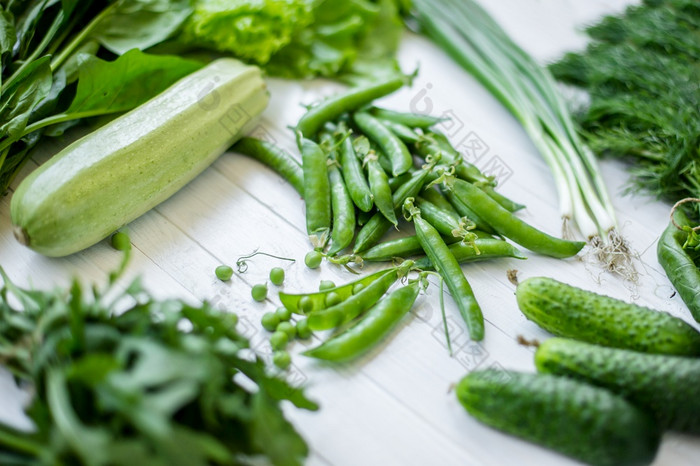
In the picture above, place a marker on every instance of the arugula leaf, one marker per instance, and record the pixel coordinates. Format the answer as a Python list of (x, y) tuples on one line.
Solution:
[(135, 388), (130, 80), (140, 24)]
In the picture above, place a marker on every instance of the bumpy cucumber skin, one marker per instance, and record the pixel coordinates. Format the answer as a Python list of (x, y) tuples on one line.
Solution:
[(666, 386), (571, 312), (587, 423), (115, 174)]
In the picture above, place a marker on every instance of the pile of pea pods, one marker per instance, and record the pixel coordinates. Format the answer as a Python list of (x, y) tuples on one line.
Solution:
[(363, 168)]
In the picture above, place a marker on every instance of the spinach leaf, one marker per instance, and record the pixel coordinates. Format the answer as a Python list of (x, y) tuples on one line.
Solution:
[(130, 80), (140, 24)]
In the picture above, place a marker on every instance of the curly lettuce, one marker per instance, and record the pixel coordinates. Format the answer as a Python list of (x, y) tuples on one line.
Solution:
[(301, 38)]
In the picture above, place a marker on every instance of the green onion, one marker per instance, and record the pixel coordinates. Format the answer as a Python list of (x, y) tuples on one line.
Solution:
[(477, 43)]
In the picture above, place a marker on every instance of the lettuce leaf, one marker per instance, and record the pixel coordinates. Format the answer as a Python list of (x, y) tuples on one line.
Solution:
[(302, 38)]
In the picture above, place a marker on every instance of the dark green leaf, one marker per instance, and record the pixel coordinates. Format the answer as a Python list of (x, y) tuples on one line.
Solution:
[(140, 24), (117, 86), (273, 435), (20, 99)]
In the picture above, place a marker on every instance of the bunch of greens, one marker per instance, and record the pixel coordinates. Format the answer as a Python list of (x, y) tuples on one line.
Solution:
[(133, 381), (641, 71), (65, 60)]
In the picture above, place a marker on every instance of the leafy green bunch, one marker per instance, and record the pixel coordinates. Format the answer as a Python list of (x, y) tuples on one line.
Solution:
[(130, 380), (641, 71)]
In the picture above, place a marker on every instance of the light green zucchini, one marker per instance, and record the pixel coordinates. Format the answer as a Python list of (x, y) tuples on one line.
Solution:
[(120, 171)]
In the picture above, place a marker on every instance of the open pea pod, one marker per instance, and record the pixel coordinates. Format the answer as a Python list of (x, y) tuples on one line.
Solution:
[(358, 303), (318, 299)]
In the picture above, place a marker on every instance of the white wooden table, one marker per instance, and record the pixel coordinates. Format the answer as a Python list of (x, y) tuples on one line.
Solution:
[(394, 406)]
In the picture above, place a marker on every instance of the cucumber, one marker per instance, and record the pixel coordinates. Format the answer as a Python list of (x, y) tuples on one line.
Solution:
[(570, 312), (120, 171), (666, 386), (587, 423)]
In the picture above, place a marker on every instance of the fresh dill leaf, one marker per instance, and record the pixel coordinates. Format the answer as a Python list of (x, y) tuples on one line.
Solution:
[(642, 71)]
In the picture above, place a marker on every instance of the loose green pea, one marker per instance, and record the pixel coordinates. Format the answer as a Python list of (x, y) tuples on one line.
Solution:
[(332, 299), (326, 285), (259, 292), (279, 340), (283, 314), (287, 328), (313, 259), (277, 276), (281, 359), (357, 288), (303, 330), (120, 241), (224, 273), (305, 305), (270, 321)]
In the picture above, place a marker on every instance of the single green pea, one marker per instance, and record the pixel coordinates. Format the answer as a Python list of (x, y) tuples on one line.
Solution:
[(259, 292), (224, 273), (277, 276), (305, 305), (332, 299), (303, 330), (325, 285), (357, 288), (287, 328), (281, 359), (283, 314), (279, 340), (313, 259), (120, 241), (270, 321)]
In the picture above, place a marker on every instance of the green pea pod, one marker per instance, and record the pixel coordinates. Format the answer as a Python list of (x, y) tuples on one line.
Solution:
[(403, 132), (317, 191), (379, 185), (437, 143), (679, 266), (354, 177), (358, 303), (274, 157), (318, 299), (444, 221), (395, 182), (412, 120), (433, 195), (486, 248), (510, 226), (377, 226), (448, 268), (397, 248), (463, 209), (376, 324), (355, 98), (343, 212), (390, 144)]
